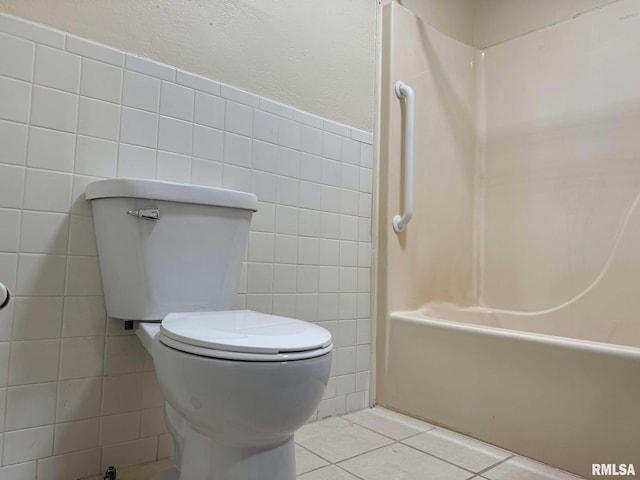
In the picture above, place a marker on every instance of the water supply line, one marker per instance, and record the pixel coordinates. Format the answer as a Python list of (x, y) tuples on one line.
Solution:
[(404, 91)]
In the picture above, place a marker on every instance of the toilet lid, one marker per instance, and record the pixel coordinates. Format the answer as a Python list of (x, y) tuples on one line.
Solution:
[(243, 331)]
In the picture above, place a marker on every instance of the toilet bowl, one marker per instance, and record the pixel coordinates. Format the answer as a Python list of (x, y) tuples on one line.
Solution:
[(237, 384)]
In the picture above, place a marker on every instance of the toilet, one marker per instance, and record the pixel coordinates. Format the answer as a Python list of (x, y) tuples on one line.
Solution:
[(237, 384)]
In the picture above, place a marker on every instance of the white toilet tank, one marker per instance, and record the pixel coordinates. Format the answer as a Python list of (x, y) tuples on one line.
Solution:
[(187, 259)]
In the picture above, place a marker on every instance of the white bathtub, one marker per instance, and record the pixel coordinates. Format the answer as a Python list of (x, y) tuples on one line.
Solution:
[(565, 402)]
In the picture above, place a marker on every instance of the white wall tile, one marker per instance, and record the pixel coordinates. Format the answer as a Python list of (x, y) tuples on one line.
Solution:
[(337, 128), (14, 99), (307, 304), (286, 249), (239, 96), (287, 191), (83, 316), (175, 135), (40, 275), (34, 361), (362, 136), (13, 138), (207, 143), (152, 422), (260, 278), (289, 133), (11, 186), (264, 156), (4, 363), (16, 57), (44, 232), (54, 109), (308, 279), (366, 180), (348, 227), (130, 453), (239, 119), (51, 149), (47, 191), (261, 247), (81, 357), (75, 436), (310, 195), (288, 162), (124, 354), (308, 119), (58, 69), (284, 278), (98, 119), (36, 318), (329, 252), (71, 465), (329, 279), (31, 31), (209, 110), (204, 172), (286, 220), (350, 151), (366, 155), (236, 178), (20, 471), (197, 82), (96, 157), (83, 276), (237, 149), (311, 140), (308, 223), (151, 393), (311, 167), (136, 162), (30, 406), (78, 399), (173, 167), (176, 101), (100, 80), (10, 232), (329, 225), (141, 91), (331, 172), (284, 304), (97, 51), (331, 146), (29, 444), (276, 108), (119, 428), (149, 67), (8, 270), (263, 185), (122, 393), (330, 199), (265, 126), (139, 128)]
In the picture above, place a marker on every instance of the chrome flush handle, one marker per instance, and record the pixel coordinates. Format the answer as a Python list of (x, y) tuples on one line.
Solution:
[(152, 214)]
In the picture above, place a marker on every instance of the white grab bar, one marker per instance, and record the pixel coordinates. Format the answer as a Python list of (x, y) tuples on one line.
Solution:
[(405, 91)]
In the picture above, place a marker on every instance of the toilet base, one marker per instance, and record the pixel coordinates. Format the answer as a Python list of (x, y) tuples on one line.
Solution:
[(205, 459)]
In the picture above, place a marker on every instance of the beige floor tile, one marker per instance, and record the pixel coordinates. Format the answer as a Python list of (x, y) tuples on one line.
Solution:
[(458, 449), (388, 423), (519, 468), (335, 439), (327, 473), (399, 462), (307, 461)]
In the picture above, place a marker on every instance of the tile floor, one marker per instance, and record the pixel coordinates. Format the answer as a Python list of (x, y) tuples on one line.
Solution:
[(377, 444)]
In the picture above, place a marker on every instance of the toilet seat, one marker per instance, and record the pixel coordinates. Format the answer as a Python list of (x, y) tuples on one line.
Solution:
[(244, 335)]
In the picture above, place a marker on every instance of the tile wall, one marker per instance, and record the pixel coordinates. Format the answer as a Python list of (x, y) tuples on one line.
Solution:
[(77, 392)]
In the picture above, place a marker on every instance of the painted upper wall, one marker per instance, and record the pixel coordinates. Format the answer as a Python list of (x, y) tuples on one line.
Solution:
[(315, 56), (482, 23), (495, 21)]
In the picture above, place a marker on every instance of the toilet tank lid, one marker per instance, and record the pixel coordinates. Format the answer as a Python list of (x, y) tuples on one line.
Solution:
[(170, 192)]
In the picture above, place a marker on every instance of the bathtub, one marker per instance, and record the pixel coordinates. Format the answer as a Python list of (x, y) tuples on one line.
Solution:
[(563, 401)]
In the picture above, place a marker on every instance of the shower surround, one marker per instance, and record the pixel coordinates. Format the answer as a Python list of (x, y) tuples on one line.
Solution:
[(508, 308)]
